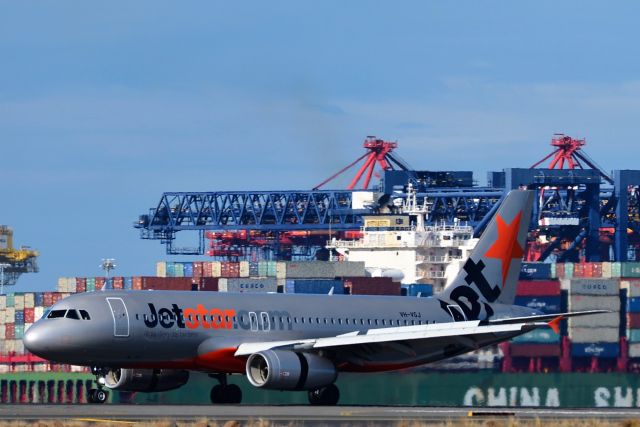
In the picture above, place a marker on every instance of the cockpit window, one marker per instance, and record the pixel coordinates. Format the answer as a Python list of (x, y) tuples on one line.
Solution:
[(85, 315), (55, 314), (72, 314)]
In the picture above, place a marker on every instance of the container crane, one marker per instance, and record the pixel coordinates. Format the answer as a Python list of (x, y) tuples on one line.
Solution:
[(15, 261)]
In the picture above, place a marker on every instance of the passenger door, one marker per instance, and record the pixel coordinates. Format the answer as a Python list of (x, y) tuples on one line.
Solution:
[(120, 317)]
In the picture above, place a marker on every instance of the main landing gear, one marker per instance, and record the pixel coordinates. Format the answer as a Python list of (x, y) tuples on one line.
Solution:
[(325, 396), (98, 395), (225, 393)]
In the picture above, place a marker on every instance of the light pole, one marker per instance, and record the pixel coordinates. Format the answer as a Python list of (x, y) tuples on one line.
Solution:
[(107, 265), (3, 265)]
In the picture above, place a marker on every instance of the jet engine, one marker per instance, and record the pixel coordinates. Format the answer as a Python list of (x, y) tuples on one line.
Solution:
[(145, 379), (288, 370)]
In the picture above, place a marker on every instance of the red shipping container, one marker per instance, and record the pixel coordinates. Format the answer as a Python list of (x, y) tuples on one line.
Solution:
[(372, 286), (136, 283), (633, 320), (581, 269), (10, 331), (230, 269), (198, 270), (81, 284), (207, 269), (118, 282), (166, 283), (29, 315), (560, 270), (538, 288), (535, 350), (48, 299), (99, 283), (596, 269), (208, 284)]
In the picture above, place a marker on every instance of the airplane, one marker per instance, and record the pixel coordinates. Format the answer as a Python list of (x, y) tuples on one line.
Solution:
[(149, 341)]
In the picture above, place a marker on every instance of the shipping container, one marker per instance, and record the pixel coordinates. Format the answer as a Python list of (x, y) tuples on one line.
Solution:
[(535, 271), (244, 269), (273, 268), (590, 302), (10, 300), (630, 269), (29, 315), (534, 350), (254, 270), (29, 300), (413, 290), (596, 349), (633, 335), (547, 305), (247, 285), (208, 284), (313, 286), (608, 320), (607, 270), (634, 350), (539, 336), (371, 286), (538, 288), (161, 269), (349, 268), (590, 335), (197, 270), (633, 320), (187, 269), (632, 286), (616, 269), (591, 286)]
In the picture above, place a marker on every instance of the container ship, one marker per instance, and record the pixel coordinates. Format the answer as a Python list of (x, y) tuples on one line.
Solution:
[(405, 236)]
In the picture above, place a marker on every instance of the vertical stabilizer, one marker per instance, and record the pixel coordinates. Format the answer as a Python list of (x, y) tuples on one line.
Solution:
[(491, 272)]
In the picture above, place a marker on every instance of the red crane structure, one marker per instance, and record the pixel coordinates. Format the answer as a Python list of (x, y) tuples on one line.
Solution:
[(378, 152), (568, 151)]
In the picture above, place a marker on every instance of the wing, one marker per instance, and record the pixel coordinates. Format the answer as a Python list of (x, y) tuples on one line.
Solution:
[(399, 347)]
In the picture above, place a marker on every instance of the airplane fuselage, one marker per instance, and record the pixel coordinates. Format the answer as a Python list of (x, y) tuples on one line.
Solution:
[(202, 330)]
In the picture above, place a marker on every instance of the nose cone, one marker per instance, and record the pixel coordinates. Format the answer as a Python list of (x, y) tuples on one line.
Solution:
[(44, 340)]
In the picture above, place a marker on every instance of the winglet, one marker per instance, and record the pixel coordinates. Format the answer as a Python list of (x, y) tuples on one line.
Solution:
[(555, 324)]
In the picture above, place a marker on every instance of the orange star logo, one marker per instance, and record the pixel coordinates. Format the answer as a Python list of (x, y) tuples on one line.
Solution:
[(506, 246)]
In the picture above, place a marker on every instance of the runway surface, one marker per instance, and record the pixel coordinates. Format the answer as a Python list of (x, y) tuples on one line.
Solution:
[(301, 413)]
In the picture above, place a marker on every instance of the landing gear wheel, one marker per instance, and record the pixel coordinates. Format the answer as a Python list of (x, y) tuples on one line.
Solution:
[(232, 394), (326, 396), (217, 395), (98, 395)]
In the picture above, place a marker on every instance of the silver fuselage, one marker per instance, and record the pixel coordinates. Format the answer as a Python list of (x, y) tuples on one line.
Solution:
[(202, 330)]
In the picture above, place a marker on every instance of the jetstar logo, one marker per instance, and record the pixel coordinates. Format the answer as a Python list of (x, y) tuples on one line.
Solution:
[(191, 318), (216, 318)]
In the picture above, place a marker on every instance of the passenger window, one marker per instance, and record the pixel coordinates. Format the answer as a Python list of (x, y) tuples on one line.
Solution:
[(55, 314), (72, 314)]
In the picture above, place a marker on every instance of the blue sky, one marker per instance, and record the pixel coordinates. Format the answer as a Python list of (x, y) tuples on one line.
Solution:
[(103, 106)]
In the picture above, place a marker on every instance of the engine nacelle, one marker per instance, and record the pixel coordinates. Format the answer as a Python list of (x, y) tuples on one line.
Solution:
[(145, 379), (288, 370)]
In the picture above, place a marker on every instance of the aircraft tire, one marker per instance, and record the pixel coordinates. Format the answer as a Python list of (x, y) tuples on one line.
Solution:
[(98, 396), (233, 394), (326, 396), (217, 394)]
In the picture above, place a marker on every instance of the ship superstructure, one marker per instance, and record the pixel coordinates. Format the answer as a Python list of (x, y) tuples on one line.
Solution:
[(400, 245)]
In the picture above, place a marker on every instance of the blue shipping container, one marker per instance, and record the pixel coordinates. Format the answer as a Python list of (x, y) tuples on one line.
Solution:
[(535, 271), (314, 286), (633, 305), (128, 283), (188, 269), (425, 290), (597, 349), (547, 305), (19, 317), (38, 299)]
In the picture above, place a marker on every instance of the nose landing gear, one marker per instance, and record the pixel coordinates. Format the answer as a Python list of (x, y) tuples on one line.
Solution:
[(225, 393), (98, 395)]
